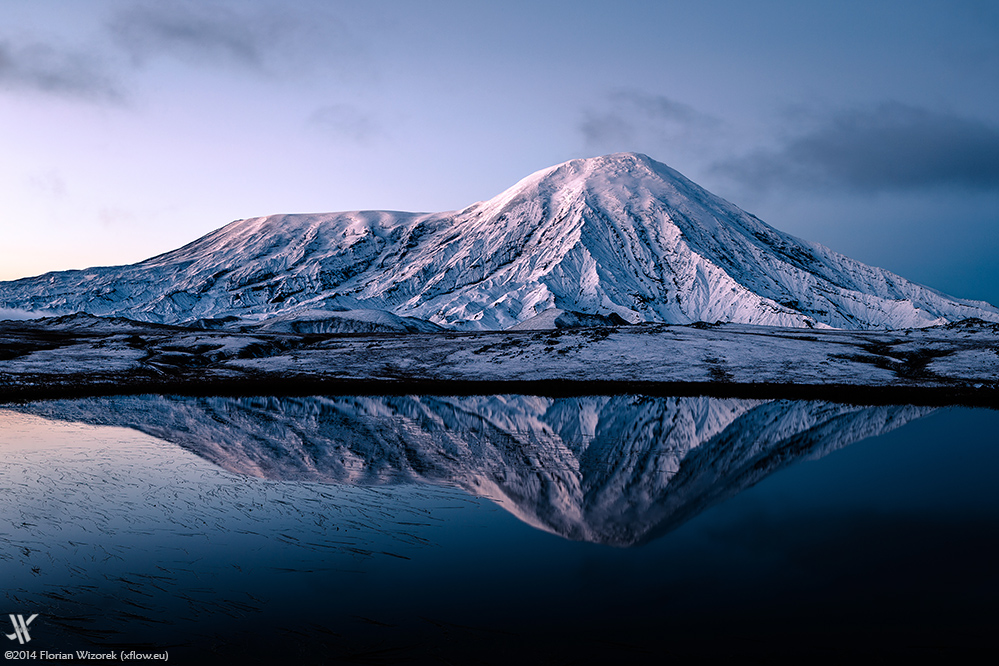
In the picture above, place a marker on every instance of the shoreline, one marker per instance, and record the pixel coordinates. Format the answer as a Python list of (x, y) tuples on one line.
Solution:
[(987, 397), (956, 364)]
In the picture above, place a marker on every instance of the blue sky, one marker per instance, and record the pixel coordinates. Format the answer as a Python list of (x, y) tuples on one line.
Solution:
[(130, 128)]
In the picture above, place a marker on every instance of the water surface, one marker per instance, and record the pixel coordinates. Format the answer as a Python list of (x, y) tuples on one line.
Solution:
[(491, 528)]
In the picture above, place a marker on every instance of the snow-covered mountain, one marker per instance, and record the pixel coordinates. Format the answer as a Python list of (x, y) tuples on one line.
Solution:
[(610, 469), (615, 235)]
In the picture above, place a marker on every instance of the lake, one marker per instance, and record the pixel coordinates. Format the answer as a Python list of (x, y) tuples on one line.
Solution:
[(491, 529)]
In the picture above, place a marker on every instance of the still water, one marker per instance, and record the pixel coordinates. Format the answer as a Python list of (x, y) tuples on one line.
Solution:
[(489, 529)]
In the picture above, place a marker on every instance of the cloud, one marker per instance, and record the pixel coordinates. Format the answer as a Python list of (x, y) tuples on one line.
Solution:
[(193, 31), (262, 37), (265, 38), (346, 120), (50, 184), (636, 119), (43, 68), (893, 147)]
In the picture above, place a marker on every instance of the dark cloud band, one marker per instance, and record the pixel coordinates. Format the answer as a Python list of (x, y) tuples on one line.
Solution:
[(892, 147)]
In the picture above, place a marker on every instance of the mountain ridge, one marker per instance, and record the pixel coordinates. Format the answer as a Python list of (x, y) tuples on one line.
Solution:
[(618, 235)]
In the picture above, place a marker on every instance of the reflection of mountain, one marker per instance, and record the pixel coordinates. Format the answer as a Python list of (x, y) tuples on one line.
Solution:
[(609, 469)]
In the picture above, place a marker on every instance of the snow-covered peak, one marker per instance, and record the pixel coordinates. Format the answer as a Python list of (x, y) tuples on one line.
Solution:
[(618, 235)]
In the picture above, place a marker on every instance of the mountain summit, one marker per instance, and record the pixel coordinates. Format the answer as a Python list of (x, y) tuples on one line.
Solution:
[(617, 235)]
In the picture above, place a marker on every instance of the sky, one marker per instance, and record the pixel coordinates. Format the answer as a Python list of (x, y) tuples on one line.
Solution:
[(130, 128)]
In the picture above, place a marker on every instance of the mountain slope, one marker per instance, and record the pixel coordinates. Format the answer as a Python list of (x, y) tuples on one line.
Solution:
[(619, 234)]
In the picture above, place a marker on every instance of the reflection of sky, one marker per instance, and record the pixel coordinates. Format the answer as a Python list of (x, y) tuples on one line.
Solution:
[(130, 128)]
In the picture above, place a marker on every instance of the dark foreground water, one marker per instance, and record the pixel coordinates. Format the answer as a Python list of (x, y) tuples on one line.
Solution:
[(497, 529)]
